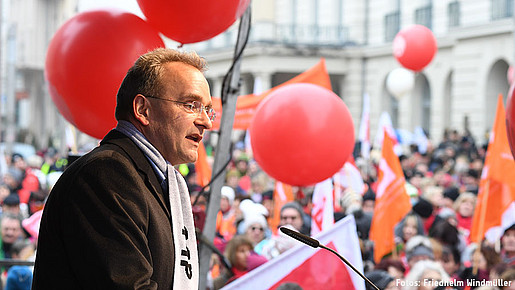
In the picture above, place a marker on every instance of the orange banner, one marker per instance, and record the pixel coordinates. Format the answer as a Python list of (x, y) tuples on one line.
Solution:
[(246, 105), (497, 185)]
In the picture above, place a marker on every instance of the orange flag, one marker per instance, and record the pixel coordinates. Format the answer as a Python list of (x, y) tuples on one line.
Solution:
[(202, 167), (497, 185), (392, 201), (283, 193), (246, 105)]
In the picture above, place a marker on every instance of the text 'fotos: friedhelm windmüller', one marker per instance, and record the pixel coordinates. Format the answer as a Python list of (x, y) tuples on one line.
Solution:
[(452, 283)]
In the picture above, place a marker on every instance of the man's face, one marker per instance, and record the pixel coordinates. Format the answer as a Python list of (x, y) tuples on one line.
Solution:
[(290, 216), (174, 130), (11, 230)]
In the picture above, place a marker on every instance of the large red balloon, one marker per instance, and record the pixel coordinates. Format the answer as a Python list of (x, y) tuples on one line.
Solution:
[(87, 60), (414, 47), (510, 119), (189, 21), (302, 134)]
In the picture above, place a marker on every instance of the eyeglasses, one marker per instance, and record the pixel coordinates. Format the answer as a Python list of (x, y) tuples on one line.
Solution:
[(193, 107)]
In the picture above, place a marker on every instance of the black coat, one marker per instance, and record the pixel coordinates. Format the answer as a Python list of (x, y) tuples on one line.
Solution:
[(106, 224)]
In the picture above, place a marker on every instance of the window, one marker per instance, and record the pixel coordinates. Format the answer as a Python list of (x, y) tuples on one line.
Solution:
[(424, 16), (391, 25), (453, 14), (502, 9)]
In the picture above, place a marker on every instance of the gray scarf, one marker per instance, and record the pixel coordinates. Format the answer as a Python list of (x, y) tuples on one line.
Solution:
[(186, 273)]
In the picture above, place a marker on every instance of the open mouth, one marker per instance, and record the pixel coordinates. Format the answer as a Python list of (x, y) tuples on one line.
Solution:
[(195, 137)]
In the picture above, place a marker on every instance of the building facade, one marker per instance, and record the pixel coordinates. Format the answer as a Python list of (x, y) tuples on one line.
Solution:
[(457, 90)]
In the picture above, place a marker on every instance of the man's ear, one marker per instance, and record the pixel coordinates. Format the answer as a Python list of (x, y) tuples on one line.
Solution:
[(140, 108)]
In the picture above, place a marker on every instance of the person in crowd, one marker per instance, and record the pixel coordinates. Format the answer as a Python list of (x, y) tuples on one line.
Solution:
[(482, 259), (11, 231), (292, 214), (29, 182), (464, 207), (470, 181), (448, 235), (242, 259), (425, 275), (450, 194), (11, 205), (255, 227), (434, 194), (369, 201), (418, 248), (4, 192), (508, 276), (393, 266), (226, 218), (425, 211), (410, 226), (108, 222), (53, 161), (267, 200), (381, 279), (451, 261), (508, 246), (19, 277), (232, 179)]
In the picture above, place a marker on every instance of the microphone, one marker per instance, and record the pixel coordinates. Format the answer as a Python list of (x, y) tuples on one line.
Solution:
[(316, 244)]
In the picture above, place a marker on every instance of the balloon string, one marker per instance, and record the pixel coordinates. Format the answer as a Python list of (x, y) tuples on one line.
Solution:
[(207, 194)]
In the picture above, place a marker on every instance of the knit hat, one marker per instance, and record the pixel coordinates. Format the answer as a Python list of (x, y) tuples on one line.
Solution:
[(249, 207), (451, 193), (253, 219), (12, 199), (423, 208), (380, 278), (228, 192), (294, 205), (420, 250), (19, 277)]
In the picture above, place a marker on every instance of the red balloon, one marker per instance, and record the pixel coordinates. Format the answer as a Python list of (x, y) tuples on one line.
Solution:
[(87, 60), (414, 47), (302, 134), (510, 119), (192, 21)]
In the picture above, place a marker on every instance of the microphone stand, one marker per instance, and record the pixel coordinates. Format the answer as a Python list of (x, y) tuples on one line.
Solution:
[(316, 244)]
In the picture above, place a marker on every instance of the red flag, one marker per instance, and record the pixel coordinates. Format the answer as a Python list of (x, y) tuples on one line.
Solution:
[(246, 105), (392, 201), (283, 193), (322, 214), (202, 167), (312, 268), (497, 185)]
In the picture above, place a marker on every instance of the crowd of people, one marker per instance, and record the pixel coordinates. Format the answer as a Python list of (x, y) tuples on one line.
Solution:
[(432, 241)]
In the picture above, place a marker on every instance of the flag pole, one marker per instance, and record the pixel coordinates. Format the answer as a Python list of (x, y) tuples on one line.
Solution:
[(481, 227)]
